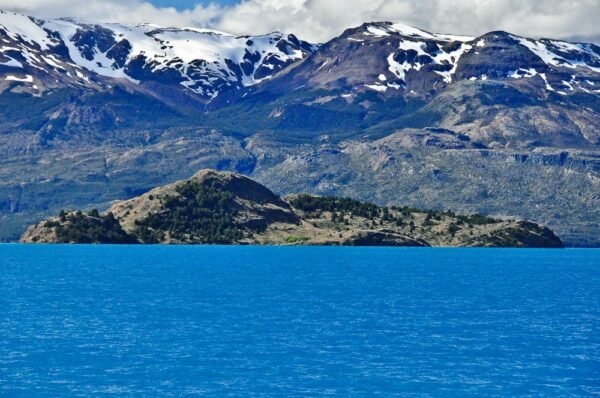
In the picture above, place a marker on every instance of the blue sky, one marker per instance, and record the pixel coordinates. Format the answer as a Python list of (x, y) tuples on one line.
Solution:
[(188, 4)]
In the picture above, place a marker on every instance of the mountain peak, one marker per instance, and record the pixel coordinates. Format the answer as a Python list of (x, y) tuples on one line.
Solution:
[(386, 28)]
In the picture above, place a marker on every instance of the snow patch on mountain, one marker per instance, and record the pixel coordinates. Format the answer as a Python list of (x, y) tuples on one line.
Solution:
[(523, 73), (26, 79), (451, 58), (563, 54), (400, 69), (13, 63), (19, 26), (387, 29), (377, 87), (417, 46), (99, 64), (440, 57)]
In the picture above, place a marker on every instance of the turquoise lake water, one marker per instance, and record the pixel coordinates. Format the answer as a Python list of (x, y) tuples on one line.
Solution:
[(298, 322)]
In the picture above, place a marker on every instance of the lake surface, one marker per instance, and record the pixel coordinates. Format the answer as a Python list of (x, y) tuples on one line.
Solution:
[(298, 322)]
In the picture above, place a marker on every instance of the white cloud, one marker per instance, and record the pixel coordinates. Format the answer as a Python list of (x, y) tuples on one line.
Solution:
[(129, 11), (319, 20)]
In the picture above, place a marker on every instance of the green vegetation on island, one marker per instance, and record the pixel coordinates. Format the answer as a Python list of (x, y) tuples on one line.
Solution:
[(76, 227), (226, 208), (198, 213)]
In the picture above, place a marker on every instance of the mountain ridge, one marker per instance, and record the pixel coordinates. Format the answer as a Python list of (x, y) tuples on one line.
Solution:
[(206, 62), (202, 61)]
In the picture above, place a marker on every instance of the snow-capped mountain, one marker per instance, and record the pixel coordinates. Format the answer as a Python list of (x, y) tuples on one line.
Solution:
[(393, 58), (42, 54)]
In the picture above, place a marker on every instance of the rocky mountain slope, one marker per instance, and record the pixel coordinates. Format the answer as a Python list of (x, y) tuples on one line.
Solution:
[(227, 208), (499, 90), (41, 55), (498, 124)]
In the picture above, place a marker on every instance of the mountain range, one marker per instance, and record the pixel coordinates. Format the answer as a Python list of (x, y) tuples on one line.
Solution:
[(498, 124)]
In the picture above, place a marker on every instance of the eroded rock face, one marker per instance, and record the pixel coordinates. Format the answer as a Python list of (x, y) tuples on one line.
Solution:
[(228, 208)]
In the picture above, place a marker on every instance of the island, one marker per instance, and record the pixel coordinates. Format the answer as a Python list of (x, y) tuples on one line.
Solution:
[(217, 207)]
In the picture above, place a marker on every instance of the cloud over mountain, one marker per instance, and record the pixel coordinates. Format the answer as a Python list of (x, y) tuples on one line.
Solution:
[(320, 20)]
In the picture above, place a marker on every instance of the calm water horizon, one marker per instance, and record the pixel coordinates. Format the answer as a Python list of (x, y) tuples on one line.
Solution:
[(250, 321)]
